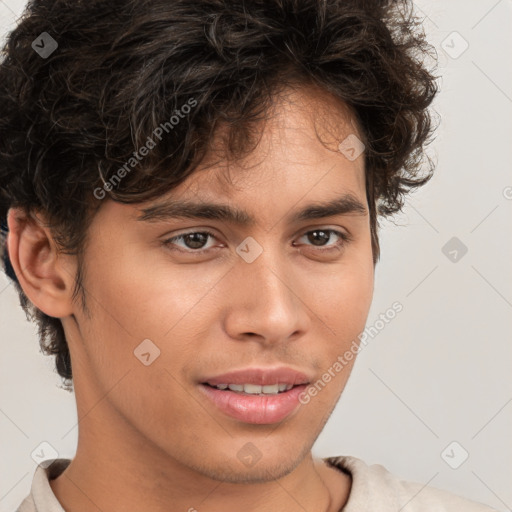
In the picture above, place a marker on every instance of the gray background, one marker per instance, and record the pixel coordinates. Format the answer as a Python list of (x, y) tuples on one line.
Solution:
[(440, 371)]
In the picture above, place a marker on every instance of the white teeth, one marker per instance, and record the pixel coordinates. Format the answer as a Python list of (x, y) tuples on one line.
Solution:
[(255, 389), (252, 389)]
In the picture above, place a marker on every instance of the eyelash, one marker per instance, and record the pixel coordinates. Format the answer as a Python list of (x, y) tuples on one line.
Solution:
[(345, 239)]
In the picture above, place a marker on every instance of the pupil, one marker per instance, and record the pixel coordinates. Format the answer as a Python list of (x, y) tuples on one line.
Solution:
[(195, 236), (324, 237)]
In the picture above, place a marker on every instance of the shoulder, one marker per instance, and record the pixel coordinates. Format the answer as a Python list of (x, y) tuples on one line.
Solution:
[(27, 505), (373, 486), (41, 497)]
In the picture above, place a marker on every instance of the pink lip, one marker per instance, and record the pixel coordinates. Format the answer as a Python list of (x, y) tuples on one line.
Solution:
[(256, 409), (260, 376)]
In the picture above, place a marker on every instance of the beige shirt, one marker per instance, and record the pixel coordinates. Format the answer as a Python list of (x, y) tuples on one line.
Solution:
[(374, 489)]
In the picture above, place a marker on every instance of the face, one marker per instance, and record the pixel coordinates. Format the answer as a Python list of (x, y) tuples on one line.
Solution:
[(282, 292)]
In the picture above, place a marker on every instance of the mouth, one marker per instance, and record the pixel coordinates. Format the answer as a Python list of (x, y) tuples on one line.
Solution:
[(256, 395), (253, 389), (252, 403)]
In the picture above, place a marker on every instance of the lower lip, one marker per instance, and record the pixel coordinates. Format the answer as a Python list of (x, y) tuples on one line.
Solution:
[(257, 409)]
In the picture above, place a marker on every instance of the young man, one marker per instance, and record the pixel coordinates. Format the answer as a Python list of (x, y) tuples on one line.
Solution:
[(190, 193)]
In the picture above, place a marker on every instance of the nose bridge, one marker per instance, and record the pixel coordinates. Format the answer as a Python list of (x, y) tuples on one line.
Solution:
[(267, 304), (264, 268)]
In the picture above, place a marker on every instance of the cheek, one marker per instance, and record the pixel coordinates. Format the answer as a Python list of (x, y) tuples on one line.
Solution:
[(137, 297), (144, 295), (341, 299), (130, 302), (341, 303)]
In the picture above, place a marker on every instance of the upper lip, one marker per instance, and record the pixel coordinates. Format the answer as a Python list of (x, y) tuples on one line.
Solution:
[(260, 376)]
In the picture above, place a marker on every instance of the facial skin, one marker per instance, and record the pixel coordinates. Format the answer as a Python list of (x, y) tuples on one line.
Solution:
[(148, 437)]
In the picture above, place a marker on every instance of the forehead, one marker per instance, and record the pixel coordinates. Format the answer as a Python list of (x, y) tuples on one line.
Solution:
[(296, 160), (297, 144)]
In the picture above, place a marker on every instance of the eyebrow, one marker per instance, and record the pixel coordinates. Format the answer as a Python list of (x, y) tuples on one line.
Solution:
[(347, 204)]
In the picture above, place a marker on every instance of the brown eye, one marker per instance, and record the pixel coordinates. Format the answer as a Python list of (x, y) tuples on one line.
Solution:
[(318, 237), (321, 237), (194, 241)]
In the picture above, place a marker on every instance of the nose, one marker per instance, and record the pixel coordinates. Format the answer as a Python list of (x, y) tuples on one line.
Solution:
[(265, 303)]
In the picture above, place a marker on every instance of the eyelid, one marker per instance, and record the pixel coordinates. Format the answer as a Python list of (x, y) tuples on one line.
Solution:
[(168, 241), (342, 234)]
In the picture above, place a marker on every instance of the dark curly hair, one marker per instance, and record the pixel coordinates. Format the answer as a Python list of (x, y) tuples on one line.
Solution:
[(70, 119)]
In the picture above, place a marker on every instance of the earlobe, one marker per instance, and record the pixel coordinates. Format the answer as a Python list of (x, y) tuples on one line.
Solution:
[(39, 266)]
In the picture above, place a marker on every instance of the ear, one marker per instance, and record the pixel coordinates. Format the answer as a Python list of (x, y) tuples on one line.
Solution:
[(44, 273)]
